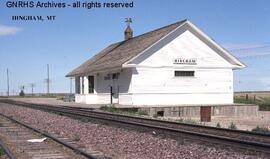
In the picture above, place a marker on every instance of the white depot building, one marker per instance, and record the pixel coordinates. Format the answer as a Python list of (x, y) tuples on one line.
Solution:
[(174, 65)]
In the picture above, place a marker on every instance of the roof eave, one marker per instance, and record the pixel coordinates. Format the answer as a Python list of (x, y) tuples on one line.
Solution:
[(95, 72), (238, 62)]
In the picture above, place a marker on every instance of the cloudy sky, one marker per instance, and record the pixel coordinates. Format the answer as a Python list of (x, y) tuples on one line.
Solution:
[(26, 47)]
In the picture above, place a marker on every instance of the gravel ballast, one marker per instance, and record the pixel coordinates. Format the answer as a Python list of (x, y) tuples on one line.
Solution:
[(115, 142)]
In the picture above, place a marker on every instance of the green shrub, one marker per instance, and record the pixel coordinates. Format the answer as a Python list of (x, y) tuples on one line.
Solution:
[(232, 126), (263, 102), (140, 112), (22, 93), (1, 152), (261, 130), (264, 107), (127, 111), (109, 108), (131, 110), (180, 120), (189, 121), (60, 98)]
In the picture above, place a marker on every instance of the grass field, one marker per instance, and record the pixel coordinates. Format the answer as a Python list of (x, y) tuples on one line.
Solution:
[(260, 98)]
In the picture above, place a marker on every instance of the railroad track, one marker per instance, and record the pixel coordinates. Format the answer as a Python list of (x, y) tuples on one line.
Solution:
[(233, 138), (14, 140), (6, 150)]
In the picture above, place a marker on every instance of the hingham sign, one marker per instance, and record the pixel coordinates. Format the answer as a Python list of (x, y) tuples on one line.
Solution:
[(192, 61)]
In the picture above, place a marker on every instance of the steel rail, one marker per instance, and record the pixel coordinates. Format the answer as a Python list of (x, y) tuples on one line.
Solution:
[(77, 150), (7, 150), (112, 117), (174, 123), (90, 110), (163, 128)]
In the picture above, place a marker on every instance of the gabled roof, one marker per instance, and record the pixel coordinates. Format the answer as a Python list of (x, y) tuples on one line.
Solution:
[(115, 55)]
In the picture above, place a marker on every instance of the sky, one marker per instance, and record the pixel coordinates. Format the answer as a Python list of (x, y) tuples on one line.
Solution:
[(26, 47)]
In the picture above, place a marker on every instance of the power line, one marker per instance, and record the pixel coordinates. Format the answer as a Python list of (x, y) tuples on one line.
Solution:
[(251, 48), (254, 56)]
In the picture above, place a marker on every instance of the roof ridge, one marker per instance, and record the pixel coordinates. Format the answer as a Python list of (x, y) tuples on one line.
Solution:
[(130, 47), (180, 22), (155, 30), (124, 41)]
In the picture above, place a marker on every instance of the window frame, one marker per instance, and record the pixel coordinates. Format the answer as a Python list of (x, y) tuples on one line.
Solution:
[(115, 76), (77, 85), (184, 74), (92, 84), (82, 81)]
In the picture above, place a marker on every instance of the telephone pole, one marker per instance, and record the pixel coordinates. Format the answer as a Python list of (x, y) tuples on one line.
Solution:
[(32, 88), (7, 83), (48, 80)]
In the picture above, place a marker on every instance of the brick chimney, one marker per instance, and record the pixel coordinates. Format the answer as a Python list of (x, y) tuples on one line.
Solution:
[(128, 31)]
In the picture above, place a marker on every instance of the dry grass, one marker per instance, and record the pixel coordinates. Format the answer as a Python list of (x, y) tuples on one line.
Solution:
[(260, 98)]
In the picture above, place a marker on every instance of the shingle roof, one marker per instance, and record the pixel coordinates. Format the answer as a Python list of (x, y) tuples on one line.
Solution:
[(118, 53)]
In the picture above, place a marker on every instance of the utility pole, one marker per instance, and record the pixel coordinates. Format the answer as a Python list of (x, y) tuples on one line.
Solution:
[(7, 83), (32, 88), (48, 80)]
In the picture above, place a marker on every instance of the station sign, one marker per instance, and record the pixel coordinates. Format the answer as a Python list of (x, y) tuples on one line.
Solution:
[(190, 61)]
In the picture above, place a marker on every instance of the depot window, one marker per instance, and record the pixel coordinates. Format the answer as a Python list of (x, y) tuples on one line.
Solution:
[(90, 84), (77, 85), (184, 73), (82, 78), (115, 75)]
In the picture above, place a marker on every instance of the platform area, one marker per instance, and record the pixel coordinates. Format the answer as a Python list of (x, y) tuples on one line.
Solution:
[(232, 110), (54, 101)]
